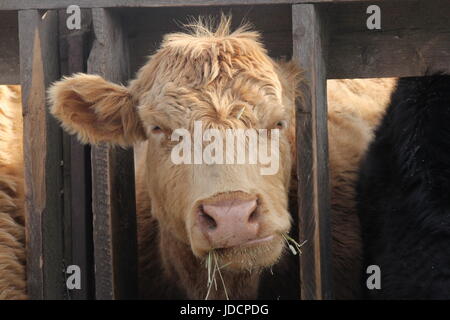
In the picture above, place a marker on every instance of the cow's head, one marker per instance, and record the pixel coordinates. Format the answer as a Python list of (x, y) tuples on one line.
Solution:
[(217, 80)]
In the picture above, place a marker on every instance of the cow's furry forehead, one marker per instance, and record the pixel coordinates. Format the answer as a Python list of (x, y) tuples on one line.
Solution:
[(213, 69), (205, 54)]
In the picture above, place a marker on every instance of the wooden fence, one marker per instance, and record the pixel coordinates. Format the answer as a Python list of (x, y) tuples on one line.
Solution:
[(80, 202)]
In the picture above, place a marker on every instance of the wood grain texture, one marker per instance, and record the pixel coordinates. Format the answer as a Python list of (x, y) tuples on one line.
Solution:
[(53, 4), (39, 65), (74, 46), (114, 206), (414, 38), (309, 39), (9, 48), (146, 27)]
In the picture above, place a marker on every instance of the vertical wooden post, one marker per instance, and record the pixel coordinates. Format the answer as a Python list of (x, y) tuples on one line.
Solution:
[(39, 66), (114, 207), (312, 154), (77, 167)]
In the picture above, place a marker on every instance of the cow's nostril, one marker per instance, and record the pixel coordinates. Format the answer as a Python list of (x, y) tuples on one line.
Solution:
[(207, 220), (253, 216)]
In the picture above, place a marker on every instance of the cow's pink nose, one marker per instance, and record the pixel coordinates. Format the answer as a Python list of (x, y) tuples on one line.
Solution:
[(229, 223)]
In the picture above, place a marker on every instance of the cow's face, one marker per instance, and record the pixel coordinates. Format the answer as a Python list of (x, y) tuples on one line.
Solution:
[(217, 118)]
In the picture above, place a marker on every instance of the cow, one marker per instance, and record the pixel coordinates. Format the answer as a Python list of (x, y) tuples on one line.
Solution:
[(403, 194), (226, 80), (12, 230)]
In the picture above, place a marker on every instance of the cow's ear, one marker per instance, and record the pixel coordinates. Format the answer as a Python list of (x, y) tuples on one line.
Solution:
[(96, 110)]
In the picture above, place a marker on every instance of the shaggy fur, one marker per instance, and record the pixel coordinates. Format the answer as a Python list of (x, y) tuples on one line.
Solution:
[(112, 117), (366, 98), (213, 76), (403, 193), (354, 110), (12, 233)]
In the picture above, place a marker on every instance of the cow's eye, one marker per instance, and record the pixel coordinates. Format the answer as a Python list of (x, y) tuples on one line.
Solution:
[(281, 124), (156, 129)]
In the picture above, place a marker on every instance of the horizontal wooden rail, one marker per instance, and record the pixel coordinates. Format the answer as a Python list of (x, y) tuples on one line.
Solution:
[(414, 37), (60, 4), (414, 34)]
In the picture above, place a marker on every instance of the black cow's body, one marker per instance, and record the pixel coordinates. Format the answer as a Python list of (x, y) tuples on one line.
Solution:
[(404, 193)]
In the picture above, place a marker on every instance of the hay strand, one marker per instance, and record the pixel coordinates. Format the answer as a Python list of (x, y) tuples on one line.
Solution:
[(293, 245), (212, 265)]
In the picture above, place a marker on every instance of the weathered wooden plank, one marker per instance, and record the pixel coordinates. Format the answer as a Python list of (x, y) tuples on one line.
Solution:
[(351, 17), (146, 27), (309, 38), (414, 37), (52, 4), (9, 48), (39, 66), (114, 207), (389, 54), (74, 47)]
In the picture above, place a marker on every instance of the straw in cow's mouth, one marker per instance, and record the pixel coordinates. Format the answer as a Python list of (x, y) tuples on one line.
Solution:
[(293, 245), (212, 265)]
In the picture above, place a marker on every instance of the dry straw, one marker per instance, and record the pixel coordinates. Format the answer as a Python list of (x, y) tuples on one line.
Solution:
[(293, 245), (213, 267), (212, 264)]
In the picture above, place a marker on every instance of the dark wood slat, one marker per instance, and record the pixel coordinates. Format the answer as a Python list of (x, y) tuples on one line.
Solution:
[(415, 37), (389, 54), (74, 45), (39, 65), (52, 4), (114, 207), (312, 155), (9, 48), (146, 27), (351, 17)]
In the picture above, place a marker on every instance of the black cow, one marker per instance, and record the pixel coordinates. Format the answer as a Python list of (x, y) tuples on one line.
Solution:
[(404, 193)]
